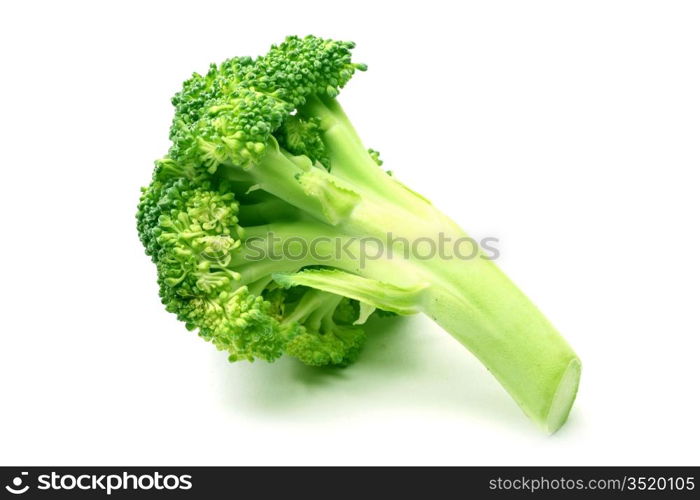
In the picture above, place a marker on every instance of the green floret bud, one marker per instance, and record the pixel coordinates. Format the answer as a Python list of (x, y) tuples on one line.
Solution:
[(192, 232), (374, 154), (340, 347), (347, 312), (193, 235), (241, 324), (302, 136), (300, 67), (322, 332), (228, 115)]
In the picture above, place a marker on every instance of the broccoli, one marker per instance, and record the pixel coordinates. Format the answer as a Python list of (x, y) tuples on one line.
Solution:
[(264, 157)]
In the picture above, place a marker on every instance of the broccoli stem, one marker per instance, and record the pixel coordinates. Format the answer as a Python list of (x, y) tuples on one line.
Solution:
[(350, 159), (312, 302), (478, 305), (471, 299), (490, 316)]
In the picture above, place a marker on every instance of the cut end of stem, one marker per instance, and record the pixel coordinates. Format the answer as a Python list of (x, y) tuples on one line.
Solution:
[(564, 397)]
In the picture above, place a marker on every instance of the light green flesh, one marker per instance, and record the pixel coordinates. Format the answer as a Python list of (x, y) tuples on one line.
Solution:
[(564, 397)]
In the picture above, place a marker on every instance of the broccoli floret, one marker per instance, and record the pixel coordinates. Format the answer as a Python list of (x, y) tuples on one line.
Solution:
[(260, 147), (192, 232)]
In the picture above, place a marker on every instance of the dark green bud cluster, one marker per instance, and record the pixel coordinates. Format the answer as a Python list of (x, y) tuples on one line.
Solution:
[(188, 217), (229, 115)]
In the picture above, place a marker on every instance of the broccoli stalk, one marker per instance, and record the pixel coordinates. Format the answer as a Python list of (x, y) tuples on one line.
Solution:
[(471, 299), (263, 147)]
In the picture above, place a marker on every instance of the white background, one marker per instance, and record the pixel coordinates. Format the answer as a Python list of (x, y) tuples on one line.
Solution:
[(569, 130)]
